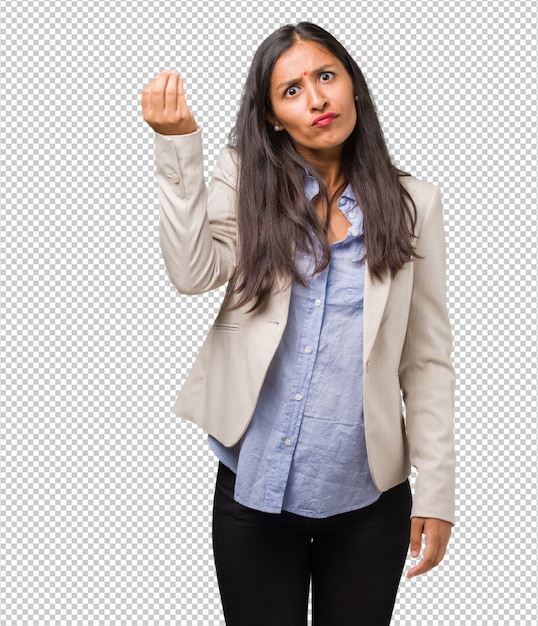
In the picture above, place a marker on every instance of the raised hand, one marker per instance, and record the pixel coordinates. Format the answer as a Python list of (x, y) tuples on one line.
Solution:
[(164, 106)]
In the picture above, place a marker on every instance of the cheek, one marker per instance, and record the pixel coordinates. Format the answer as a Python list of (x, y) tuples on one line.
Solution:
[(352, 115), (291, 118)]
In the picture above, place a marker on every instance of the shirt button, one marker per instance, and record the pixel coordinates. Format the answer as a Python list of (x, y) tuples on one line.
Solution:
[(287, 442), (354, 233), (298, 396), (341, 202), (308, 349), (317, 302), (352, 214), (174, 178)]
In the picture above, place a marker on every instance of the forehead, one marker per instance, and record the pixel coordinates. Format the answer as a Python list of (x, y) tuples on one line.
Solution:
[(302, 56)]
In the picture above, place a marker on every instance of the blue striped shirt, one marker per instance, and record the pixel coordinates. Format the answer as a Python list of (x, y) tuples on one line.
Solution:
[(304, 450)]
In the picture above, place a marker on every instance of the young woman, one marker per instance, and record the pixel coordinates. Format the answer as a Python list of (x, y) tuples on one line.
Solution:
[(335, 311)]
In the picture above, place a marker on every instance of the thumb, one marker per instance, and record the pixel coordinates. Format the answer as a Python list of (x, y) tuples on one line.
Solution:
[(415, 540)]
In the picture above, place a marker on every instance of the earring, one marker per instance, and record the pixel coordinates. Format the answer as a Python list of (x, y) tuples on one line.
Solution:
[(277, 128), (356, 98)]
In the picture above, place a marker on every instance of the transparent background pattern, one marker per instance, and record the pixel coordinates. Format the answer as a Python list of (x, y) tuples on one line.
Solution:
[(105, 496)]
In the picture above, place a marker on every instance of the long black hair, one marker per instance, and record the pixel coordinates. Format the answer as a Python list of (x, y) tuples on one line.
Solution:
[(274, 216)]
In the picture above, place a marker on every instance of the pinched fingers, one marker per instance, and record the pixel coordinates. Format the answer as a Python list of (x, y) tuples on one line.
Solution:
[(164, 106)]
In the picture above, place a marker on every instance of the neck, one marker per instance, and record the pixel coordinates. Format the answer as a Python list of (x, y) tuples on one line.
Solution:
[(329, 166)]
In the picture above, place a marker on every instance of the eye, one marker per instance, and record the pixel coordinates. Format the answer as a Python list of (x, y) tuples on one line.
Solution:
[(291, 91), (325, 76)]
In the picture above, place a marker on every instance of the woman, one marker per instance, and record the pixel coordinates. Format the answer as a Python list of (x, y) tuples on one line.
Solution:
[(335, 311)]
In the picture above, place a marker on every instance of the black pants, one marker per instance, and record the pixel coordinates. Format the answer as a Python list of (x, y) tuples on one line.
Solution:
[(265, 561)]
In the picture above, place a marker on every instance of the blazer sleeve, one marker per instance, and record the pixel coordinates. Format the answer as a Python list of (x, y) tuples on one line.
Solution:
[(197, 226), (427, 376)]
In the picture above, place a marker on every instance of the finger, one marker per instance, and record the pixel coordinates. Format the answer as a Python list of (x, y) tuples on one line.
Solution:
[(170, 94), (429, 560), (158, 88), (146, 102), (181, 102), (147, 95), (438, 532), (415, 539)]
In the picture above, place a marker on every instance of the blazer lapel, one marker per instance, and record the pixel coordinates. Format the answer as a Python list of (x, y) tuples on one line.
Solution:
[(375, 298)]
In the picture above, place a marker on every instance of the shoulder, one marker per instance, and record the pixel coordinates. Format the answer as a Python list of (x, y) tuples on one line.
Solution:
[(228, 160), (421, 191), (425, 195)]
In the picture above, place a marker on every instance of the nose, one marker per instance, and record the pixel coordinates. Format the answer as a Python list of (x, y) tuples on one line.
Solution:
[(317, 98)]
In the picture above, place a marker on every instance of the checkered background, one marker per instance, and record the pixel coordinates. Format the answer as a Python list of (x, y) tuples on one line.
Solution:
[(105, 496)]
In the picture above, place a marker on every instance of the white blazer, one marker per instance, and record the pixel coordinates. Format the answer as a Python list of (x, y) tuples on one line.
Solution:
[(407, 337)]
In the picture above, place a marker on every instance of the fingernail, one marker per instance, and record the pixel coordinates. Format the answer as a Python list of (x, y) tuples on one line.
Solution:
[(414, 553)]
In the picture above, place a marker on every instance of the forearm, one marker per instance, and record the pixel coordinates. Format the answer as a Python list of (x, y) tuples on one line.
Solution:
[(197, 229)]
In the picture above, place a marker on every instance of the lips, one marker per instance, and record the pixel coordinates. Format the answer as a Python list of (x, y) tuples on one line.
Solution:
[(324, 120)]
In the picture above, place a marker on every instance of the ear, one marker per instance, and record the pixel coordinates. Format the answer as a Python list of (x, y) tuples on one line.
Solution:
[(277, 126)]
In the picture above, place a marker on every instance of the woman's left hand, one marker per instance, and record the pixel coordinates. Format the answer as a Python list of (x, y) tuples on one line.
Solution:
[(436, 535)]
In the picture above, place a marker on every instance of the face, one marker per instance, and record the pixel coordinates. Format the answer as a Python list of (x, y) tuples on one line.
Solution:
[(313, 100)]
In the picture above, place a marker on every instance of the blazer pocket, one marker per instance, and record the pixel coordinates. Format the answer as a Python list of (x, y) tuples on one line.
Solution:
[(229, 326)]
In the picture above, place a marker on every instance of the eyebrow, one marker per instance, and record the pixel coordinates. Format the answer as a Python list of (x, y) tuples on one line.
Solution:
[(286, 83)]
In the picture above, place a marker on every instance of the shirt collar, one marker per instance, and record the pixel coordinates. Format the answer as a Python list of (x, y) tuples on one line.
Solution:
[(311, 189)]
